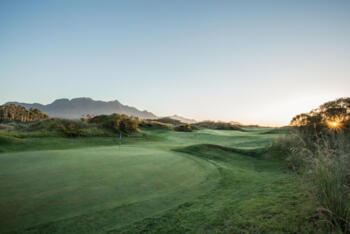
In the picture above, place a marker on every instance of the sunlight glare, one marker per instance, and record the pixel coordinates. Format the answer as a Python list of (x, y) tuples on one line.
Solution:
[(333, 124)]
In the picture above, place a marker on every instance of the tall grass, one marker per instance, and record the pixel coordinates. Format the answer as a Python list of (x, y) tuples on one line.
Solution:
[(333, 195), (330, 173), (324, 160)]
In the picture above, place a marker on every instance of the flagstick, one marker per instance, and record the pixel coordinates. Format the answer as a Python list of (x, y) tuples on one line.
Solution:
[(120, 140)]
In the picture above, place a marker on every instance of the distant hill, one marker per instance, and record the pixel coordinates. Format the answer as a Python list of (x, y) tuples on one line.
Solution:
[(182, 119), (78, 107)]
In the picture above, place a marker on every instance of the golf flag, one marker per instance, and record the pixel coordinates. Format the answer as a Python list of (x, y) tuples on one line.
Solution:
[(120, 136)]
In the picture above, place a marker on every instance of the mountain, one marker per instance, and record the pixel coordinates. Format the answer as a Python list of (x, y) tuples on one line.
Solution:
[(78, 107), (182, 119)]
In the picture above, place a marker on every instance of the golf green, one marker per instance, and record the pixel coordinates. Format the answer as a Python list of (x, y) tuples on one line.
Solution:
[(45, 186)]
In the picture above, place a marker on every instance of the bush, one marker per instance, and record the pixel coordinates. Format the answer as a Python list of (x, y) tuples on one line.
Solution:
[(116, 122), (183, 128), (72, 128), (69, 128), (217, 125)]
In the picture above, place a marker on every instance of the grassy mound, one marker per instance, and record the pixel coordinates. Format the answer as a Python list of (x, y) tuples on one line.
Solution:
[(217, 125), (151, 124), (60, 127), (5, 140), (168, 120), (281, 130), (252, 196), (183, 128), (99, 126), (215, 152)]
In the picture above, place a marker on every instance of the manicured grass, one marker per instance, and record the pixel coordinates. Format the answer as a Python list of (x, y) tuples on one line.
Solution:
[(45, 186), (204, 181)]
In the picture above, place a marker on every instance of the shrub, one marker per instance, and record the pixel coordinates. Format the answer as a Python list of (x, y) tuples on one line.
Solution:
[(72, 128), (69, 128), (217, 125), (116, 122), (183, 128)]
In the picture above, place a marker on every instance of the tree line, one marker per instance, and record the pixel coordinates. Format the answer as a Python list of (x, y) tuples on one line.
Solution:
[(330, 114), (12, 112)]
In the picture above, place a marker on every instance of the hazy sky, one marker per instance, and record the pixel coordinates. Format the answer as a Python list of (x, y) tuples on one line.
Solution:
[(248, 61)]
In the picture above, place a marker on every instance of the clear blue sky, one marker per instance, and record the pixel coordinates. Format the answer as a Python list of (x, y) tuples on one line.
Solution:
[(248, 61)]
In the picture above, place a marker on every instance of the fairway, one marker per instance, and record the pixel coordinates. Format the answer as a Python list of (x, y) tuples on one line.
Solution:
[(147, 184)]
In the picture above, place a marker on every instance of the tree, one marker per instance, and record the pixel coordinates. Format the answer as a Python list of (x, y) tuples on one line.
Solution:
[(12, 112), (337, 112)]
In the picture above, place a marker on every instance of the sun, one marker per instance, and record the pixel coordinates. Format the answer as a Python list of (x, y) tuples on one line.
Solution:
[(333, 124)]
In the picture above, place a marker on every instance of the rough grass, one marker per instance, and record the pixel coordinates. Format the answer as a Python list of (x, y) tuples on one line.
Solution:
[(323, 161), (252, 196), (206, 181)]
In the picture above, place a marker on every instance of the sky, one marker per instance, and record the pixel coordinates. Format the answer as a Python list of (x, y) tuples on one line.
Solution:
[(255, 62)]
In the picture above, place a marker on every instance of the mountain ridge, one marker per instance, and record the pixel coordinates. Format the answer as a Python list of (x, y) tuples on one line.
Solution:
[(76, 108)]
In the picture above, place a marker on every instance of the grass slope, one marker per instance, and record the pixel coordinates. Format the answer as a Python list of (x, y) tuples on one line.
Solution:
[(204, 181), (253, 196)]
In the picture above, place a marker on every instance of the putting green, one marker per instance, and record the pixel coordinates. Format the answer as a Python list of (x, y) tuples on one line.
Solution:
[(109, 185)]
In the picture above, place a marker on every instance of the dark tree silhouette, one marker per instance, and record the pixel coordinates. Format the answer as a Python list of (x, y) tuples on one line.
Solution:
[(336, 112)]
